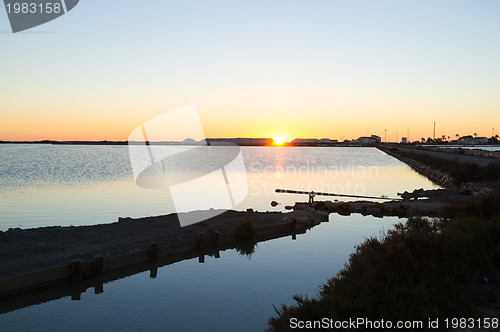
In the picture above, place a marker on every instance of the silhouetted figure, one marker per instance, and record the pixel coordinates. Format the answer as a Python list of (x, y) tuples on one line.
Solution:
[(311, 197)]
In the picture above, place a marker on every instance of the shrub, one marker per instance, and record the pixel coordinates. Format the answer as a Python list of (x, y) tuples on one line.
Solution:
[(245, 231), (420, 269), (487, 206)]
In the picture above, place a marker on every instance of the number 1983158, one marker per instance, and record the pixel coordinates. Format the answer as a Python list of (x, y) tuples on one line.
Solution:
[(473, 323), (33, 8)]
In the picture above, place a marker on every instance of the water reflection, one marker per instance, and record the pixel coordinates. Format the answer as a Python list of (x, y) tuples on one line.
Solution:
[(75, 289), (228, 294), (95, 185), (246, 248)]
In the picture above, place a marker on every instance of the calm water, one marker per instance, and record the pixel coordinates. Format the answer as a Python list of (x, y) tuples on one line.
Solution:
[(49, 185), (43, 185)]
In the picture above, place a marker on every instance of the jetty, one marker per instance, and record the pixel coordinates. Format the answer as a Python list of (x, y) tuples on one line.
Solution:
[(428, 203), (45, 257)]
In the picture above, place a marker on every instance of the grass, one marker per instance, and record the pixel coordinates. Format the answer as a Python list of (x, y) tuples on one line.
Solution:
[(421, 269)]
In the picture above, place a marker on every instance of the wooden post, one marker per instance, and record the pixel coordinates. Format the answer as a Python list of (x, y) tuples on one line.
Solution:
[(201, 241), (153, 272), (153, 251), (217, 254), (98, 286), (294, 236), (98, 264), (201, 258), (76, 271)]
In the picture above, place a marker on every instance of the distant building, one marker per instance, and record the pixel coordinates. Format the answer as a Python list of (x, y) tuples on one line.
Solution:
[(327, 141), (481, 140), (404, 140), (466, 140), (373, 139), (242, 141), (469, 140), (305, 141)]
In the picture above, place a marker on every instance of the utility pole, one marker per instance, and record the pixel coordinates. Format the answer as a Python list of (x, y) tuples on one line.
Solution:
[(408, 135), (434, 134), (385, 139)]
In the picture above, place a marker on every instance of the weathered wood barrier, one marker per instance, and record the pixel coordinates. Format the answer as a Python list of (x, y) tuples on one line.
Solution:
[(88, 273)]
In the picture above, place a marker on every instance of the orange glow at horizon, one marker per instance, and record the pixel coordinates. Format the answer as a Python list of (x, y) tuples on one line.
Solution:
[(115, 124), (279, 140)]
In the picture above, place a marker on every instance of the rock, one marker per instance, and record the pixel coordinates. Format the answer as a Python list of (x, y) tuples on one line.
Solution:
[(310, 209), (387, 209), (308, 218), (12, 231), (344, 212), (344, 206), (323, 214), (375, 211), (329, 206), (300, 206)]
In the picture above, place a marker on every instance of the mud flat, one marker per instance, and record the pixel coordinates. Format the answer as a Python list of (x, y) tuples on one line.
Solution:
[(49, 256)]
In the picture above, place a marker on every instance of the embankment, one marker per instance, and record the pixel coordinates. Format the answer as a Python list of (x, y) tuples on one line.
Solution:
[(49, 256), (479, 174)]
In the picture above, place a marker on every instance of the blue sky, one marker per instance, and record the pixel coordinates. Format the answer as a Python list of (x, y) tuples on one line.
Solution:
[(255, 68)]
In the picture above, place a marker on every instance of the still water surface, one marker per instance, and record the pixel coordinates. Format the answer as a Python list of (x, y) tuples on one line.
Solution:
[(46, 185), (232, 293), (62, 185)]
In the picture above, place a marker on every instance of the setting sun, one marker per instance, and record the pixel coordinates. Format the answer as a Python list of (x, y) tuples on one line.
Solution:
[(278, 140)]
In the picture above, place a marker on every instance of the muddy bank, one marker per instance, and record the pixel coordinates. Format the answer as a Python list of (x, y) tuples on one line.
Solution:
[(480, 175), (436, 176), (429, 203), (127, 242), (477, 151)]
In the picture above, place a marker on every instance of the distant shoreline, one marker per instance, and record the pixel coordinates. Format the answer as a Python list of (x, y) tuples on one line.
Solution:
[(218, 140), (264, 142)]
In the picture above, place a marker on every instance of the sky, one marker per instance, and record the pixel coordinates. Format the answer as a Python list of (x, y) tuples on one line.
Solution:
[(316, 68)]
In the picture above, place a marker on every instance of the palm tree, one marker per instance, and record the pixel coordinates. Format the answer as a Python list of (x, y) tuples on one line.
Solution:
[(457, 135), (422, 139), (475, 134)]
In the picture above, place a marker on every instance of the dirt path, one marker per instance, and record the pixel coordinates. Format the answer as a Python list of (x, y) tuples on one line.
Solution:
[(478, 160)]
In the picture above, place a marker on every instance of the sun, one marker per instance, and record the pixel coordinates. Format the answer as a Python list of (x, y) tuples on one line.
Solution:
[(278, 140)]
